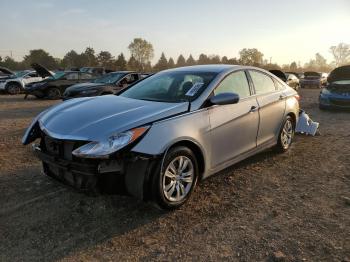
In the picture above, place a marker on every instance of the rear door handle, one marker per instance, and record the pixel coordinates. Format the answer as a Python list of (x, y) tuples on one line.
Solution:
[(282, 97), (253, 109)]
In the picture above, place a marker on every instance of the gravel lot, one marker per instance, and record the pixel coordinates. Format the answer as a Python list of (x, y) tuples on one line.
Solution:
[(293, 206)]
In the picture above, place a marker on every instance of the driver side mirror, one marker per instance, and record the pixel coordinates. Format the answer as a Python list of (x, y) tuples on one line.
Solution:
[(225, 99)]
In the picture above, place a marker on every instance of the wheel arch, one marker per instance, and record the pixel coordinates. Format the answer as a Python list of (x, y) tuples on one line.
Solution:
[(197, 151)]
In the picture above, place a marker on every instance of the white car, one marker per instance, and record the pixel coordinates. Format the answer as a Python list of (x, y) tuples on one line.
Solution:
[(15, 82)]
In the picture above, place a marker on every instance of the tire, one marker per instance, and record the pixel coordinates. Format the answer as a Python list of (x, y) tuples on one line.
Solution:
[(170, 187), (13, 88), (53, 93), (286, 134)]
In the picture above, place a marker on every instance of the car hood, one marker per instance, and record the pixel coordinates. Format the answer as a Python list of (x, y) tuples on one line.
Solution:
[(42, 71), (279, 74), (6, 71), (96, 118), (84, 86), (340, 73)]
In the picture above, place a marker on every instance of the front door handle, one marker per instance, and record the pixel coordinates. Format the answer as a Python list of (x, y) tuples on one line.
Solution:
[(282, 97), (253, 109)]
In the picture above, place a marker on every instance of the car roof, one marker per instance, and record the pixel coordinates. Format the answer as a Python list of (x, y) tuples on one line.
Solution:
[(207, 68)]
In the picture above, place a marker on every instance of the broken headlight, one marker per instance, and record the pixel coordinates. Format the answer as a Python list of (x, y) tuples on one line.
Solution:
[(115, 142)]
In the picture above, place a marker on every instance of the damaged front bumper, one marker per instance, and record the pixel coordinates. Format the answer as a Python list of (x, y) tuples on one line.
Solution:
[(128, 174)]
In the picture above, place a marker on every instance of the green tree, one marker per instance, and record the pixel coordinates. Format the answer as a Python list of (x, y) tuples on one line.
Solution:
[(162, 63), (142, 51), (190, 61), (89, 57), (41, 57), (180, 61), (133, 64), (72, 59), (10, 63), (203, 59), (293, 67), (171, 63), (105, 59), (251, 56), (341, 54), (121, 63), (214, 59), (224, 60)]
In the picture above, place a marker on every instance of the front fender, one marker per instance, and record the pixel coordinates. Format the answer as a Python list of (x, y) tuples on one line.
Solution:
[(193, 127)]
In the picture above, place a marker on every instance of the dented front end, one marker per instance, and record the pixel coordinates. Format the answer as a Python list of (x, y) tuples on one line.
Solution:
[(124, 172)]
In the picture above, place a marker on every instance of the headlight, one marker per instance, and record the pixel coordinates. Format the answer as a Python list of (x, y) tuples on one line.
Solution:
[(114, 143)]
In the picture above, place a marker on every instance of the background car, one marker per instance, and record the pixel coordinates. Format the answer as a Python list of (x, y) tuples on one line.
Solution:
[(163, 134), (107, 84), (336, 94), (311, 80), (53, 87), (289, 78), (15, 83), (96, 71), (292, 81)]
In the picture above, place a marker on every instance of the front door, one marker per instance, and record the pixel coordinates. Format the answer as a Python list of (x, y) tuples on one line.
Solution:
[(233, 127)]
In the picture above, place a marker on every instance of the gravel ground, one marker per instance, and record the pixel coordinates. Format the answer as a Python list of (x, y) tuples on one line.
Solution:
[(271, 207)]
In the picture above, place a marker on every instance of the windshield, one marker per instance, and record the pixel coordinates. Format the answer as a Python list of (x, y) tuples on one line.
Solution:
[(109, 78), (21, 73), (173, 87), (58, 75)]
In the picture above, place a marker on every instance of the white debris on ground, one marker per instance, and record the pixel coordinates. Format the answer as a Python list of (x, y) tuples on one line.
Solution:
[(305, 125)]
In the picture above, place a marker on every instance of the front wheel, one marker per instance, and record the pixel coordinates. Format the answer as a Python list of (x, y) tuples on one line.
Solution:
[(286, 135), (13, 89), (178, 175), (53, 93)]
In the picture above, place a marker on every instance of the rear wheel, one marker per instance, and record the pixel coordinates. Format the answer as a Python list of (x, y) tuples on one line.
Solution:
[(53, 93), (173, 185), (286, 134), (13, 88)]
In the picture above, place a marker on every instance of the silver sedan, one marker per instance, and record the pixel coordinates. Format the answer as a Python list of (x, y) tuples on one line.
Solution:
[(160, 136)]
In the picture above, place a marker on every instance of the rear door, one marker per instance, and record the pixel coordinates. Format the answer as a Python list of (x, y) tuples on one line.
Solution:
[(233, 127), (272, 104)]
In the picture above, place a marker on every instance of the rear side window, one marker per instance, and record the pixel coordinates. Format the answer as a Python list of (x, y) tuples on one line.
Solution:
[(262, 83), (234, 83)]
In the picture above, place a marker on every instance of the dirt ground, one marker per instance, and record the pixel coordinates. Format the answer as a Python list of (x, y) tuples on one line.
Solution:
[(271, 207)]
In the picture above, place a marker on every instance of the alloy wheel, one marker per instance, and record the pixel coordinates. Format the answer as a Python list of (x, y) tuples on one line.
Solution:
[(178, 179), (287, 134)]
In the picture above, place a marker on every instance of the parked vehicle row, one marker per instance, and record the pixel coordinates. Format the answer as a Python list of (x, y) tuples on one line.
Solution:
[(15, 82), (160, 136)]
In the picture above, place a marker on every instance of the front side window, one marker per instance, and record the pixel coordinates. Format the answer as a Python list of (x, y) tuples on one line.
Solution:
[(263, 83), (234, 83), (72, 76), (173, 87)]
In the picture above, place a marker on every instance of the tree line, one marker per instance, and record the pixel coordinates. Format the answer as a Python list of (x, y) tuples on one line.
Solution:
[(142, 53)]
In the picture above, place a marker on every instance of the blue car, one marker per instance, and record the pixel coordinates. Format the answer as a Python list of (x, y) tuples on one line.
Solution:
[(336, 95)]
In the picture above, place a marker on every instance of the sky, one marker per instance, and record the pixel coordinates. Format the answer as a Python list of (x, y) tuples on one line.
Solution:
[(284, 31)]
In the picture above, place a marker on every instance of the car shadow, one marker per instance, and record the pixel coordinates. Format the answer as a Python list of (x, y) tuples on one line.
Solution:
[(42, 219)]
